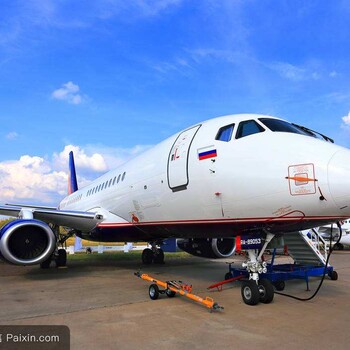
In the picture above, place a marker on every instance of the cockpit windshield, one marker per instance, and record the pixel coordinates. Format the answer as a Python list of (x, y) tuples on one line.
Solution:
[(283, 126)]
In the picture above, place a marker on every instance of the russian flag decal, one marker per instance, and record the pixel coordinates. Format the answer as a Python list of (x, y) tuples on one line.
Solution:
[(207, 152)]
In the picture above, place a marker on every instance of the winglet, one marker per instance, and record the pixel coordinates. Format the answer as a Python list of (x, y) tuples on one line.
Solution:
[(72, 176)]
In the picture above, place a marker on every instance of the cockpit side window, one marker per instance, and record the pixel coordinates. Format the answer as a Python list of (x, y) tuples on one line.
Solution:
[(282, 126), (225, 133), (248, 127)]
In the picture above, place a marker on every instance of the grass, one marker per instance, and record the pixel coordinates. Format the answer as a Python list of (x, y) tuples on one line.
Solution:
[(119, 256)]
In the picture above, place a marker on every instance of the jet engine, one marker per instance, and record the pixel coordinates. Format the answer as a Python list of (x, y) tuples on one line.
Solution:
[(26, 242), (208, 248)]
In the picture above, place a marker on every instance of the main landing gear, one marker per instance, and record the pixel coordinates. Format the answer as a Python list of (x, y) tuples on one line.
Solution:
[(257, 290), (59, 257), (60, 254), (153, 254)]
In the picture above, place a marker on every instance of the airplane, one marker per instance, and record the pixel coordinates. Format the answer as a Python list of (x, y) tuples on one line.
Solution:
[(328, 230), (244, 174)]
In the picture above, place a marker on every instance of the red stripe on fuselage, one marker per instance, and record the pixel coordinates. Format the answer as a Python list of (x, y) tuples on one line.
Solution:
[(224, 221)]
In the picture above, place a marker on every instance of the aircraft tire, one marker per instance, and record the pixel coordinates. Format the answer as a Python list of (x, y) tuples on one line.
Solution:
[(266, 291), (46, 264), (279, 285), (250, 292), (158, 257), (169, 293), (153, 292), (147, 256), (338, 246), (61, 259)]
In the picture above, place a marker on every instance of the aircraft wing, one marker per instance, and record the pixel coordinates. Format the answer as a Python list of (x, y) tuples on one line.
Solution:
[(79, 220)]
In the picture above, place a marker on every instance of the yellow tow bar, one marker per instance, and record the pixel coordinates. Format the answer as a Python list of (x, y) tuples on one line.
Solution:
[(171, 288)]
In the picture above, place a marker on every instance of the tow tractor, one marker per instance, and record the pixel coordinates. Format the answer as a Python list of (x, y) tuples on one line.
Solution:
[(171, 288)]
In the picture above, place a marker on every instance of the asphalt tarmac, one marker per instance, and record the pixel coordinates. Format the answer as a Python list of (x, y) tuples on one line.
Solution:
[(106, 307)]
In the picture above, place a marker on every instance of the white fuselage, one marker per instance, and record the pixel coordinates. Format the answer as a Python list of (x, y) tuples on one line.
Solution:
[(250, 181)]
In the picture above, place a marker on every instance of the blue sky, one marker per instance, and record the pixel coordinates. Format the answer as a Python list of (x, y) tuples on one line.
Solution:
[(110, 78)]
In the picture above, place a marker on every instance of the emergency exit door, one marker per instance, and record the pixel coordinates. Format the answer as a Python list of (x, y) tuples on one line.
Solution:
[(178, 160)]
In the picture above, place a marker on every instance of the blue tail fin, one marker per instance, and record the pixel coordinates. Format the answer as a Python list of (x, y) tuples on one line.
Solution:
[(72, 176)]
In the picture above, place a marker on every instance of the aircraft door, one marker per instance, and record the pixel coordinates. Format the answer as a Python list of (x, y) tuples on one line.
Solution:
[(178, 160)]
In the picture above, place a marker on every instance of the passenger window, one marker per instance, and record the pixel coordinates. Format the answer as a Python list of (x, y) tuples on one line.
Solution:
[(118, 178), (123, 177), (225, 133), (110, 182), (248, 127)]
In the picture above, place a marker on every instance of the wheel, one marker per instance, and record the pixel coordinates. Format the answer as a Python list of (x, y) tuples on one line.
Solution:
[(61, 258), (338, 246), (333, 275), (266, 291), (158, 256), (46, 264), (169, 293), (147, 256), (250, 292), (153, 291), (228, 276), (279, 285)]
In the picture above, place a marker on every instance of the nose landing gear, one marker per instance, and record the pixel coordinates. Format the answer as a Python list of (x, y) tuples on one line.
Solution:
[(257, 290)]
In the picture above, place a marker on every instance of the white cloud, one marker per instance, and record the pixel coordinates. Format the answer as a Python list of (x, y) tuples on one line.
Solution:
[(289, 71), (94, 162), (12, 135), (346, 120), (38, 180), (312, 70), (30, 178), (231, 56), (333, 74), (33, 15), (154, 7), (69, 92), (106, 9)]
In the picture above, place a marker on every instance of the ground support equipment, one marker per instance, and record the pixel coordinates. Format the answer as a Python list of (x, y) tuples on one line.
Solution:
[(278, 274), (171, 288)]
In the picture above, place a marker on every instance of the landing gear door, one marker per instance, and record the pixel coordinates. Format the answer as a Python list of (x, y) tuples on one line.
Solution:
[(178, 160)]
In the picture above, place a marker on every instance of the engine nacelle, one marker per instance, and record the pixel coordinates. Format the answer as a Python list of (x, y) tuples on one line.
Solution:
[(208, 248), (26, 242)]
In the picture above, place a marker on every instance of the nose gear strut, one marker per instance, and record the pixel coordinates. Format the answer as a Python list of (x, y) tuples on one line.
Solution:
[(255, 289)]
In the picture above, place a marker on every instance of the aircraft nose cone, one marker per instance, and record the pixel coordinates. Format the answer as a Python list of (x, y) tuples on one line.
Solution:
[(339, 179)]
